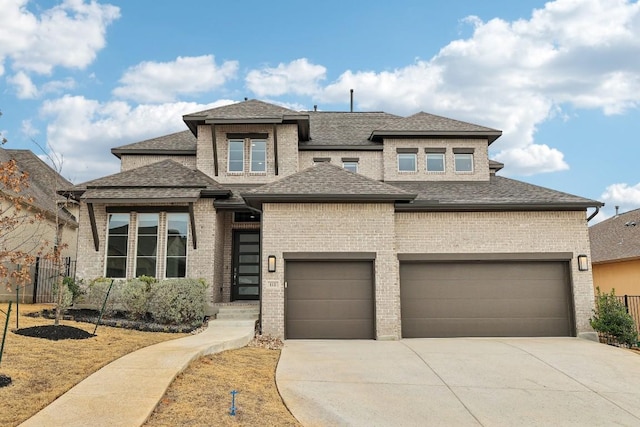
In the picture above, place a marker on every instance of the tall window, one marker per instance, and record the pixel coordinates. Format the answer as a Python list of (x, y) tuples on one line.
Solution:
[(177, 227), (117, 240), (464, 162), (147, 244), (406, 162), (236, 155), (258, 155), (435, 162)]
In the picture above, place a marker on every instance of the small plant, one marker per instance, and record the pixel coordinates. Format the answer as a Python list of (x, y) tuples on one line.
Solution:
[(66, 299), (178, 301), (610, 317), (75, 286)]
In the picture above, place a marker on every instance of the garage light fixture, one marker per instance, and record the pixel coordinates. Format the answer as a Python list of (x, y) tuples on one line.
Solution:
[(583, 263), (271, 263)]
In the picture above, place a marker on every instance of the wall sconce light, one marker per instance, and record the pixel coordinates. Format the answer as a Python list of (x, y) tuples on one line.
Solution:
[(583, 263), (271, 263)]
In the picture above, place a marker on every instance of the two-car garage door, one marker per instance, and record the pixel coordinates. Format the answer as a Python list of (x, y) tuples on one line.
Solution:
[(457, 299)]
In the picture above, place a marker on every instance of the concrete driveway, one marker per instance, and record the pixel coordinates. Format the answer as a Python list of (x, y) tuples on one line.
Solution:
[(460, 382)]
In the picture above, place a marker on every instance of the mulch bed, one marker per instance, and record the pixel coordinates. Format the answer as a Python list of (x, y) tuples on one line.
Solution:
[(54, 333)]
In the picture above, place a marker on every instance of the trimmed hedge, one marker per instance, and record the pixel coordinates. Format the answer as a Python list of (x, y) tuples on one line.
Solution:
[(178, 301)]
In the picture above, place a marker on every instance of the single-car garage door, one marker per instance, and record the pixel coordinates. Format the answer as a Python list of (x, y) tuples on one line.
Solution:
[(329, 299), (468, 299)]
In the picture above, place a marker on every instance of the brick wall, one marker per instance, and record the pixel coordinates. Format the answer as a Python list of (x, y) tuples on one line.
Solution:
[(331, 228), (132, 161), (506, 232), (480, 160), (369, 164), (287, 153)]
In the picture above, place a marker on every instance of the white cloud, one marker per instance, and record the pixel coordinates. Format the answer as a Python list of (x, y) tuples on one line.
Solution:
[(28, 130), (298, 76), (67, 35), (166, 81), (25, 89), (622, 194), (508, 75), (83, 131)]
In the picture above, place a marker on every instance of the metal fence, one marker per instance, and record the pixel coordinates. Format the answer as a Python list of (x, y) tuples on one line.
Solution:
[(46, 273), (632, 303)]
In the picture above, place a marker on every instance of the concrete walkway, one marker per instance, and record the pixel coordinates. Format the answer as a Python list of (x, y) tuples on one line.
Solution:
[(126, 391), (460, 382)]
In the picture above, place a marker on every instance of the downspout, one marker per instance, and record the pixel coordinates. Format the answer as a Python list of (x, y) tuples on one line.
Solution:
[(260, 305), (588, 219)]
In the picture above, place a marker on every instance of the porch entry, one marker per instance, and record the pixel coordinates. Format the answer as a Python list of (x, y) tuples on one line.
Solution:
[(245, 282)]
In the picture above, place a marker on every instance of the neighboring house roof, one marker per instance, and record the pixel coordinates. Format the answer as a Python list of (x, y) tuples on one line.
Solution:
[(616, 238), (498, 193), (331, 130), (179, 143), (495, 166), (425, 124), (250, 111), (327, 183), (44, 181), (166, 180)]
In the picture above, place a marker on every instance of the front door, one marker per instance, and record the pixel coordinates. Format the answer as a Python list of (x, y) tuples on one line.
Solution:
[(246, 265)]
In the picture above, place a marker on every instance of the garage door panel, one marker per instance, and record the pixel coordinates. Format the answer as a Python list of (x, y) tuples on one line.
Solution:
[(485, 299), (329, 299)]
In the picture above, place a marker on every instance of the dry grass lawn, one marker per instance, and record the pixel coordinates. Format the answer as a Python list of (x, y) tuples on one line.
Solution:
[(201, 395), (41, 370)]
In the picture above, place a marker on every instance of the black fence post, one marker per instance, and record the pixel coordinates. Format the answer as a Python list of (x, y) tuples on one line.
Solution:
[(36, 275)]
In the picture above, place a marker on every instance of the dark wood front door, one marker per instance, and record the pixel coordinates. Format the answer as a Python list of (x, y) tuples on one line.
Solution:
[(246, 265)]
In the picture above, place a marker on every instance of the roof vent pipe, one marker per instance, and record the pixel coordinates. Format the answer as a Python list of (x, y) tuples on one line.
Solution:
[(351, 100), (315, 107), (617, 207)]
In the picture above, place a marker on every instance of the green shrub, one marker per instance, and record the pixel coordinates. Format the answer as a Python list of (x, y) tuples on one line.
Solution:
[(75, 287), (610, 317), (136, 295), (96, 291), (178, 301)]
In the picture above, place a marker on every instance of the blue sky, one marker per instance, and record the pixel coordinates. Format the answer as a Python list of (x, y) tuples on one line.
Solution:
[(561, 79)]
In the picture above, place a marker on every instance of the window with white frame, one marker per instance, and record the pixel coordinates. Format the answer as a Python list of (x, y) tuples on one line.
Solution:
[(407, 159), (434, 159), (235, 163), (176, 257), (258, 155), (463, 159), (117, 244), (147, 245), (350, 163)]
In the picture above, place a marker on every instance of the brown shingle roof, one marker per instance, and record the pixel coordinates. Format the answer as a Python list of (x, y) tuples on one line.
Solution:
[(422, 124), (616, 238), (43, 182), (176, 143), (161, 180), (498, 193), (251, 109), (341, 128), (326, 182)]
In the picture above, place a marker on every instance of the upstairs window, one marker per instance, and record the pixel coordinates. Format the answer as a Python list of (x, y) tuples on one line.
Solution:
[(117, 244), (435, 159), (177, 229), (350, 163), (236, 156), (407, 159), (147, 248), (258, 155), (463, 159)]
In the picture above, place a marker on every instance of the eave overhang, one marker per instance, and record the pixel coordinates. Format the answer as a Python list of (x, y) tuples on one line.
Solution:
[(258, 199), (319, 147), (302, 120), (436, 206), (119, 152), (378, 135)]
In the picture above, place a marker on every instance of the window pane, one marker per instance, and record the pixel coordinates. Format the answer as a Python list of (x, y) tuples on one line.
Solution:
[(117, 246), (253, 237), (146, 266), (176, 245), (406, 162), (351, 166), (249, 269), (248, 290), (249, 248), (176, 267), (177, 224), (119, 224), (147, 245), (464, 162), (248, 280), (116, 267), (435, 162), (148, 224), (249, 258), (258, 156), (236, 156)]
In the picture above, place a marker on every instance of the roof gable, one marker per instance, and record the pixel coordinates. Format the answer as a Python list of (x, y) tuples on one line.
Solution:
[(183, 142), (325, 182), (425, 124)]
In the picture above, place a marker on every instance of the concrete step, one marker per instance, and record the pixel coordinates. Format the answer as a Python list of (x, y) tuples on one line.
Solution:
[(239, 309), (234, 315)]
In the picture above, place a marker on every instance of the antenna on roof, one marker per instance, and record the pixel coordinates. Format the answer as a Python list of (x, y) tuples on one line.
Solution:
[(315, 107), (352, 100), (617, 207), (246, 99)]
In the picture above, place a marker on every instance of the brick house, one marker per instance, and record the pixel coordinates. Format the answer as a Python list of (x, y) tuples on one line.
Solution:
[(344, 225)]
